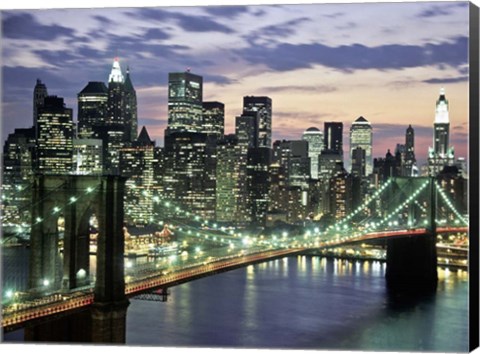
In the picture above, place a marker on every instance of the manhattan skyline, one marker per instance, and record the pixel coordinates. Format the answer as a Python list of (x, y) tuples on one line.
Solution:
[(317, 62)]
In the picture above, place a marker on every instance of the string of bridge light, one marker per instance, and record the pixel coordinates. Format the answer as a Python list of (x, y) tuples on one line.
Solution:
[(197, 232), (18, 210), (54, 211), (450, 204), (364, 205), (399, 207), (177, 209)]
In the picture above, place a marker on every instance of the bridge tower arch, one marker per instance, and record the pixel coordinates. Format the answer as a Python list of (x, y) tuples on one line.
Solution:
[(412, 261), (77, 197)]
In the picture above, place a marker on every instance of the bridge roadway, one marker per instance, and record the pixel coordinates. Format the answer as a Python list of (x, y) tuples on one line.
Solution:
[(61, 304), (19, 315)]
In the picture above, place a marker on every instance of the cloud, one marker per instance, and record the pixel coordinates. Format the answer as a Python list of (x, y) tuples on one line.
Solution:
[(310, 89), (189, 23), (56, 57), (217, 79), (446, 80), (441, 10), (156, 33), (25, 26), (283, 29), (226, 11), (285, 56)]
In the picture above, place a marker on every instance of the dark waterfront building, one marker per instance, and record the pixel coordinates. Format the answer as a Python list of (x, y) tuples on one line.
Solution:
[(39, 94), (185, 102), (92, 109), (55, 131), (214, 119), (260, 107)]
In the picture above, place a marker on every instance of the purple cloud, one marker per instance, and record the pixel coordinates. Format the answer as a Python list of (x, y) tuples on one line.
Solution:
[(25, 26), (285, 56)]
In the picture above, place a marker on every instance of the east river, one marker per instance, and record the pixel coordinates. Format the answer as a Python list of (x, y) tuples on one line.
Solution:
[(303, 303)]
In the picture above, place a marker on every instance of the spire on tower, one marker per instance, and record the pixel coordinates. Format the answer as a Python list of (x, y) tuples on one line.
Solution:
[(116, 73), (441, 109)]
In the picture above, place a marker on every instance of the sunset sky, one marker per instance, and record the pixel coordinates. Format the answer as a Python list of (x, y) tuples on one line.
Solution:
[(321, 62)]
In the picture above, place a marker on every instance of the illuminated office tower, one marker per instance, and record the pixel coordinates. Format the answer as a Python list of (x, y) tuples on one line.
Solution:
[(55, 137), (292, 155), (189, 179), (333, 138), (358, 162), (131, 118), (258, 181), (410, 160), (261, 108), (441, 154), (92, 109), (314, 137), (361, 136), (213, 119), (121, 121), (137, 163), (332, 153), (88, 156), (185, 95), (39, 94), (230, 199), (18, 157)]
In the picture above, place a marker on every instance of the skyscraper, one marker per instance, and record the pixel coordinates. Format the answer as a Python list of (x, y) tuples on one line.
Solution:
[(189, 179), (137, 164), (409, 151), (230, 198), (121, 121), (39, 94), (361, 136), (214, 119), (55, 137), (116, 95), (246, 130), (261, 108), (314, 137), (92, 109), (88, 156), (18, 158), (441, 154), (131, 119), (185, 102), (332, 153), (333, 138)]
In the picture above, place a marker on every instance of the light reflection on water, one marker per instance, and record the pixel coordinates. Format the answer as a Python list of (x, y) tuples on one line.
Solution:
[(305, 302)]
